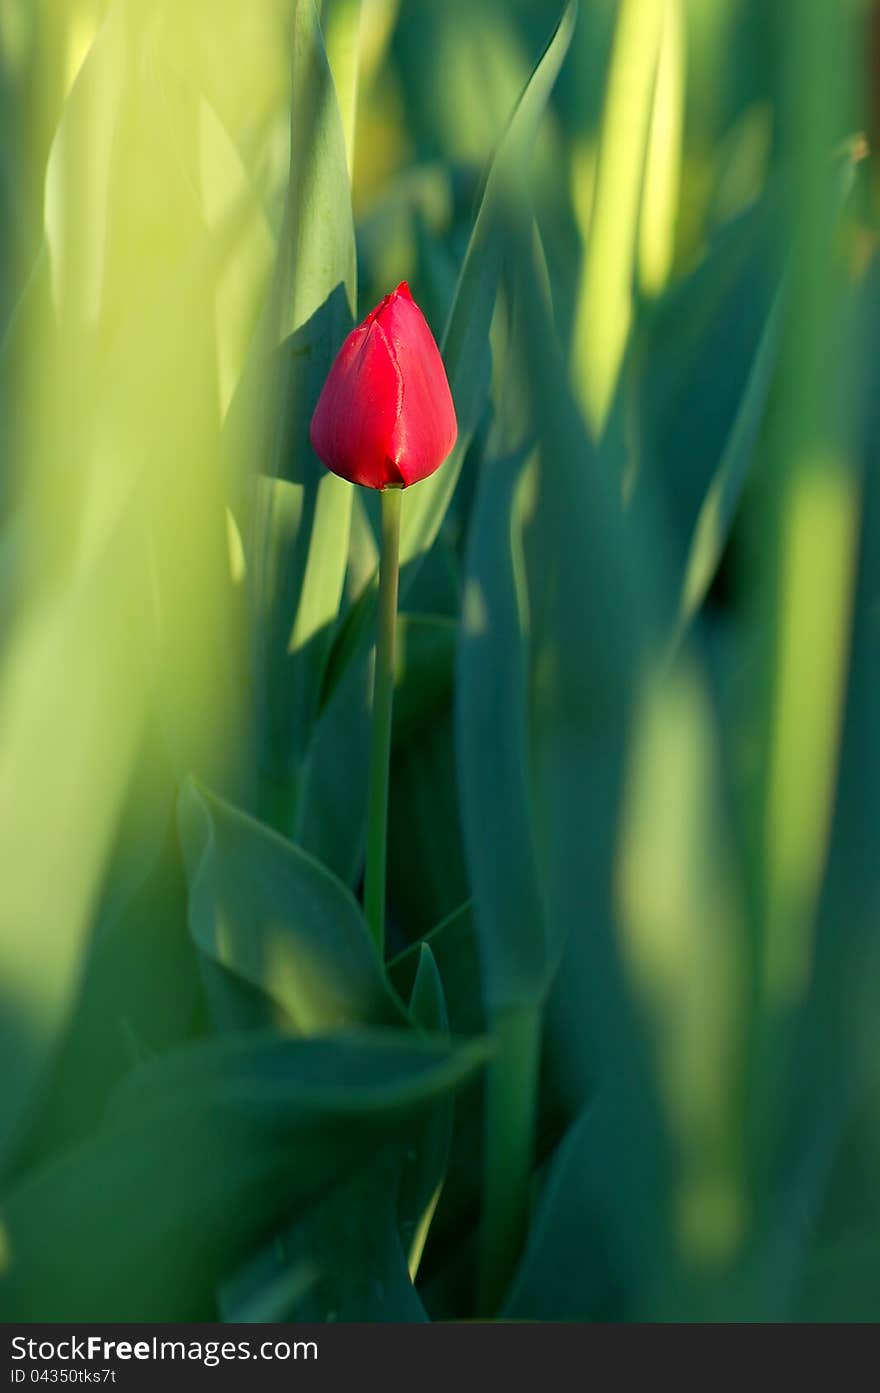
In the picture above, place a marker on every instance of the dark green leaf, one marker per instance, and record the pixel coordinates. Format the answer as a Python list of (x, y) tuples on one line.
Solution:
[(455, 951), (341, 1261), (270, 914), (492, 724), (205, 1153), (297, 524), (425, 1166)]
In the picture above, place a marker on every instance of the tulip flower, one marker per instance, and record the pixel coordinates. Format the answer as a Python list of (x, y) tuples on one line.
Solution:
[(385, 419), (385, 416)]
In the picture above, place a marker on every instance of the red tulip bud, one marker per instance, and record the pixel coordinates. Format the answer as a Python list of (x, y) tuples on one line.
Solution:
[(385, 414)]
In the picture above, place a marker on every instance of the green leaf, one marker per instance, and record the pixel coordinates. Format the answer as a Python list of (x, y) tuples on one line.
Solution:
[(806, 568), (297, 530), (566, 565), (138, 987), (220, 1142), (492, 721), (843, 1283), (270, 914), (342, 1260), (300, 540), (332, 804), (685, 947), (718, 510), (425, 1167), (832, 1095), (82, 644), (593, 1244), (318, 253), (266, 1288), (341, 21), (424, 655), (701, 368), (565, 1267), (455, 952), (427, 1005), (661, 181), (606, 293), (427, 876), (545, 668), (726, 321), (436, 590), (134, 360)]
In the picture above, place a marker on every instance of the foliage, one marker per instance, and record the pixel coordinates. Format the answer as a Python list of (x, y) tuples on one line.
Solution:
[(634, 881)]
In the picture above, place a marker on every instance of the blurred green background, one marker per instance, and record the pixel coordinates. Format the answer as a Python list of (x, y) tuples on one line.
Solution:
[(636, 776)]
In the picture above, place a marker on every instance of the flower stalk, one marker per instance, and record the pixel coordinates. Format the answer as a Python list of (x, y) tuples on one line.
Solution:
[(383, 695)]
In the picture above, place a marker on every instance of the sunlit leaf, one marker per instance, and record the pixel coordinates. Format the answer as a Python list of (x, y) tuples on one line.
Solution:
[(270, 914)]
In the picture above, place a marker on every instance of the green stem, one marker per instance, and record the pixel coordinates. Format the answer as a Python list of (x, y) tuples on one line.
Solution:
[(383, 692), (511, 1111)]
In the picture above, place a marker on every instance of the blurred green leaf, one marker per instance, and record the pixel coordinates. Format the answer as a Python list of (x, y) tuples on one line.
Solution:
[(423, 662), (425, 1166), (139, 992), (221, 1142), (718, 510), (436, 590), (82, 645), (266, 1288), (427, 876), (342, 1260), (567, 1268), (546, 669), (463, 65), (702, 363), (829, 1151), (454, 949), (685, 948), (492, 723), (592, 632), (363, 548), (297, 528), (608, 273), (660, 194), (121, 578), (345, 1259), (843, 1283), (268, 913), (332, 805), (341, 22), (727, 322), (806, 571)]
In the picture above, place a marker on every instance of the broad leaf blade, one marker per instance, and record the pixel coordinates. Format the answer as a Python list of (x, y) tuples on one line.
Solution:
[(425, 1167), (222, 1142), (304, 526), (270, 914)]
